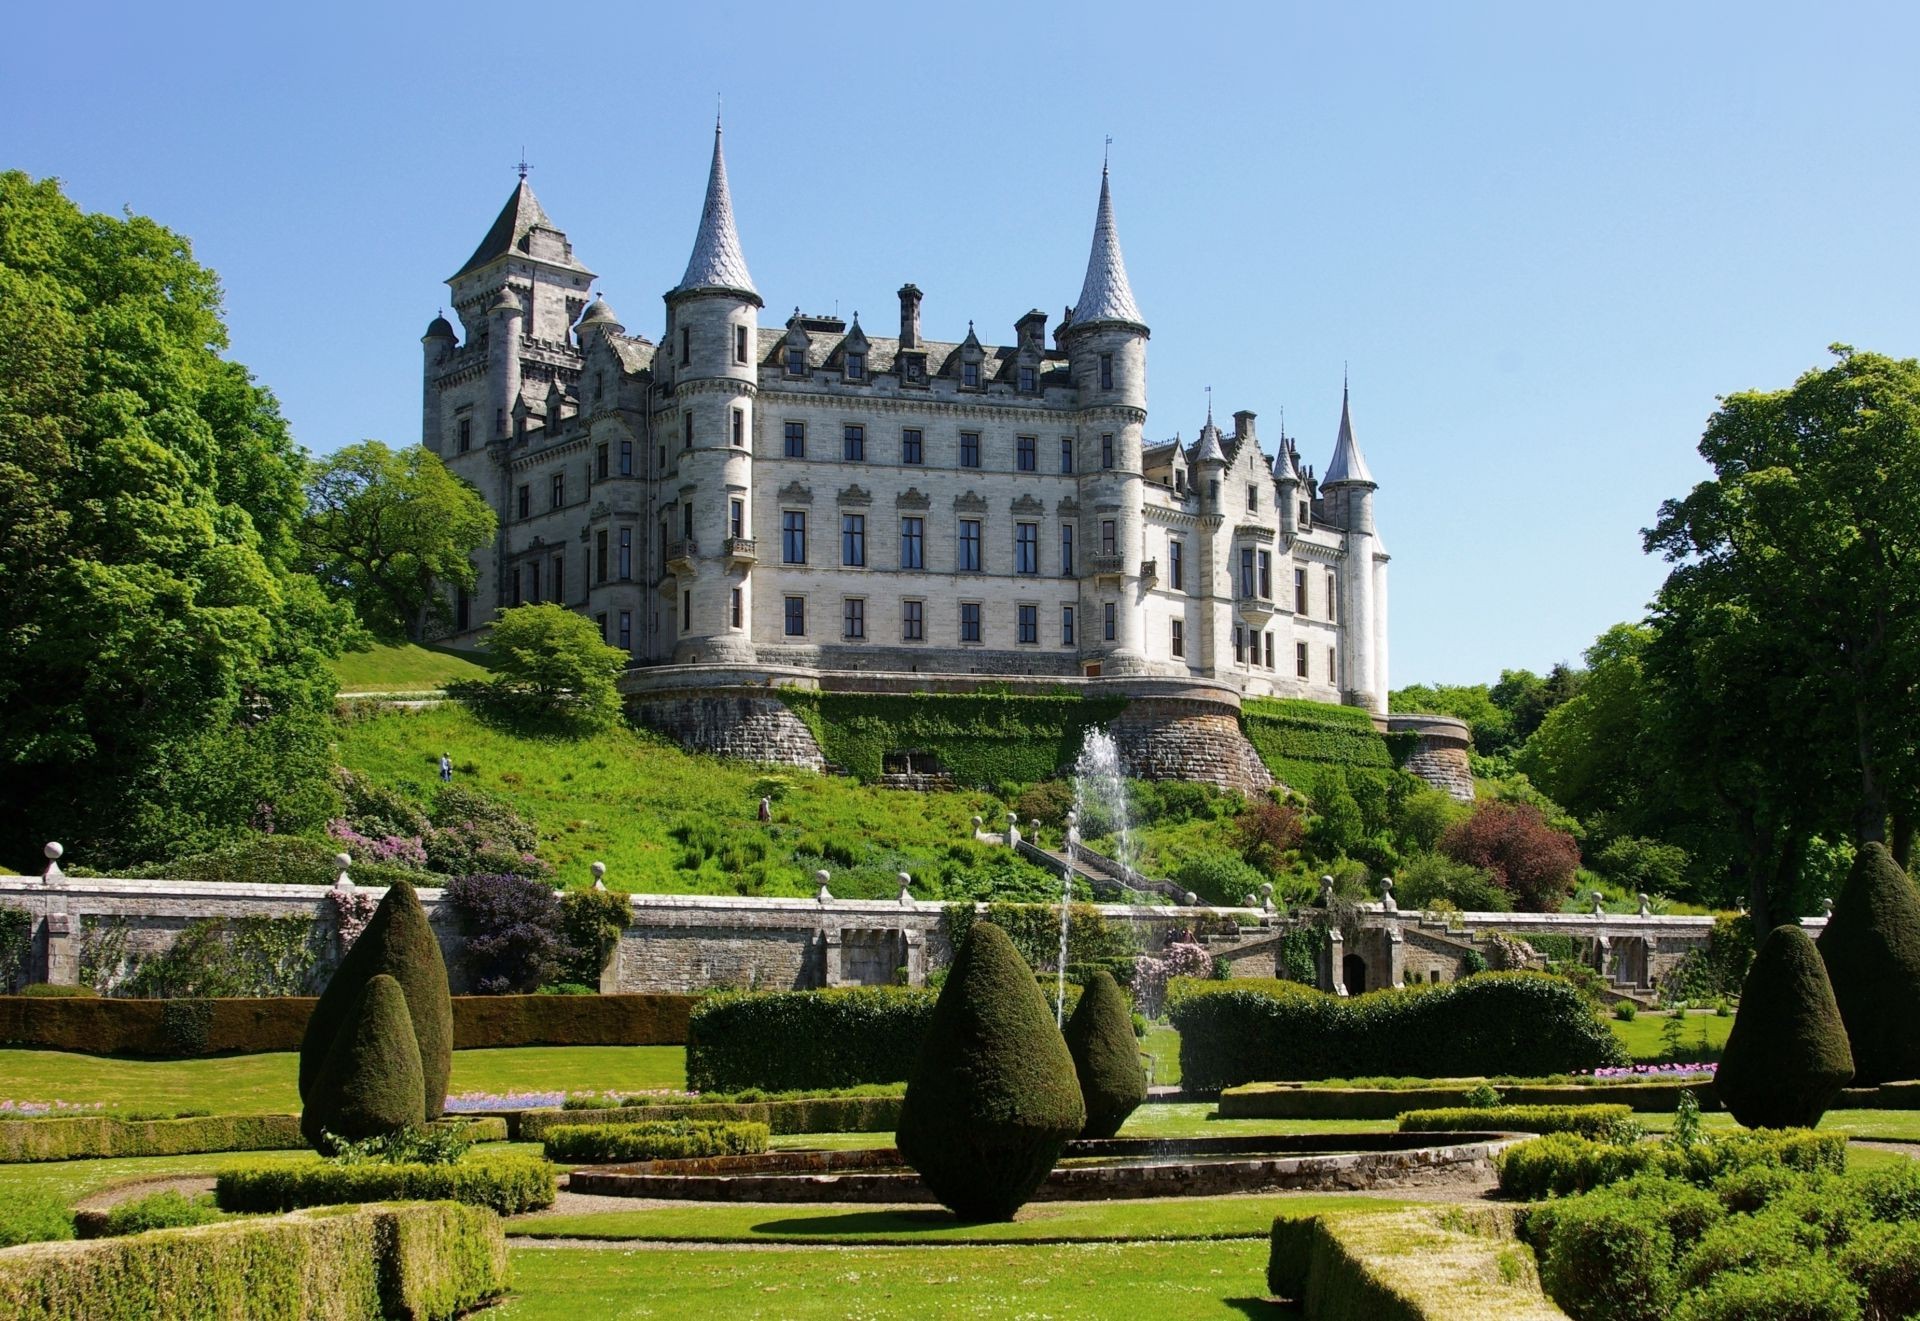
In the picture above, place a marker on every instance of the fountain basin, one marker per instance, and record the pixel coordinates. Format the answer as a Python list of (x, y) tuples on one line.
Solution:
[(1092, 1170)]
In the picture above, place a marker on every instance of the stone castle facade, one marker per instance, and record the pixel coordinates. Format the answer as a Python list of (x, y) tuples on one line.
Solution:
[(809, 495)]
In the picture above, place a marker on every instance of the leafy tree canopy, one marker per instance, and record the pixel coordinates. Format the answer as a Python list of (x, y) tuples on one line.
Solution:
[(550, 664)]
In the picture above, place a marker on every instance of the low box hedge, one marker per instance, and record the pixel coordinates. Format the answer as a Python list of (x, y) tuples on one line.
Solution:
[(182, 1029), (1563, 1163), (85, 1136), (1282, 1101), (1418, 1264), (1494, 1023), (506, 1182), (805, 1040), (1593, 1121), (841, 1114), (427, 1260), (678, 1139)]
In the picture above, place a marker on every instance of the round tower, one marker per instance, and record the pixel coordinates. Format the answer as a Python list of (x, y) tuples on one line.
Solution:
[(506, 317), (710, 358), (1106, 343), (1348, 488), (435, 346)]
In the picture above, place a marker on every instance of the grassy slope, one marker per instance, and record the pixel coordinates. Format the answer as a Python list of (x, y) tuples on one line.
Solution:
[(617, 798), (406, 668)]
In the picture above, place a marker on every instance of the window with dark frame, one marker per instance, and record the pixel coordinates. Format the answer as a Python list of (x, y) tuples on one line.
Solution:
[(1332, 677), (686, 345), (1109, 537), (853, 540), (1176, 568), (796, 616), (853, 617), (1239, 644), (1300, 594), (856, 367), (1026, 548), (739, 428), (969, 449), (913, 621), (853, 443), (736, 517), (1066, 626), (1269, 637), (740, 344), (1066, 454), (913, 543), (1106, 449), (600, 463), (525, 500), (738, 607), (912, 448), (559, 490), (1266, 575), (1300, 659), (1026, 456), (969, 621), (466, 434), (1110, 620), (626, 630), (1330, 595), (796, 360), (1028, 617), (970, 375), (796, 440), (1106, 371), (626, 554), (1179, 639), (1246, 573), (793, 536), (969, 550), (600, 555), (626, 458), (1066, 550), (1027, 380)]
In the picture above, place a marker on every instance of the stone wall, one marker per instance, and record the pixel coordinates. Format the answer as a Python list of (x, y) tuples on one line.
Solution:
[(1440, 757), (738, 725), (1170, 739)]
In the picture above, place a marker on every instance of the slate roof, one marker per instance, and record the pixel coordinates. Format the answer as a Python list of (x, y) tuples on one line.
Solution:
[(717, 261), (1105, 294), (1347, 465), (825, 350), (518, 218)]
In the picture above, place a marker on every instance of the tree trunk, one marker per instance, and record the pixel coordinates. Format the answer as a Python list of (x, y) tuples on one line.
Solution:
[(1901, 841)]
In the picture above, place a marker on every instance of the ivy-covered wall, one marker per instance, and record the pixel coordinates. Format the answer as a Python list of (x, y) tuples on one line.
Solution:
[(979, 738), (1300, 741)]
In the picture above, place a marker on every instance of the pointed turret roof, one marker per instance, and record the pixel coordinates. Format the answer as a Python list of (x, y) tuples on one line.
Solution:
[(1207, 449), (717, 262), (1105, 294), (509, 235), (1347, 465), (1285, 468)]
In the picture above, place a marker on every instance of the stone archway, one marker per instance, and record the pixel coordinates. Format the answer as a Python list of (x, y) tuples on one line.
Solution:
[(1353, 974)]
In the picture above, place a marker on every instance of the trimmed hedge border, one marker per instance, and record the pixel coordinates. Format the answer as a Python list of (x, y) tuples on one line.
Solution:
[(103, 1025), (84, 1137), (427, 1260), (1563, 1163), (1278, 1101), (507, 1183), (795, 1041), (1591, 1121), (1358, 1267), (839, 1114), (671, 1140)]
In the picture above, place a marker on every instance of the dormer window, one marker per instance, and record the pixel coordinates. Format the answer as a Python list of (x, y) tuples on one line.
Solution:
[(856, 366), (1027, 378), (796, 360), (970, 375), (1179, 481)]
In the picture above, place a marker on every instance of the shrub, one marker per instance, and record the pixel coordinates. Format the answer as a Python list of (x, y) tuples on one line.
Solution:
[(435, 1260), (1266, 832), (1563, 1163), (1515, 1023), (1220, 878), (1746, 1243), (398, 942), (993, 1098), (564, 1020), (48, 991), (1429, 880), (33, 1215), (550, 664), (1512, 842), (1625, 1010), (1884, 1261), (370, 1083), (1106, 1058), (510, 929), (1871, 948), (826, 1114), (102, 1135), (1593, 1121), (1609, 1259), (805, 1040), (507, 1182), (591, 922), (980, 738), (164, 1210), (474, 832), (1813, 1292), (676, 1139), (1787, 1057)]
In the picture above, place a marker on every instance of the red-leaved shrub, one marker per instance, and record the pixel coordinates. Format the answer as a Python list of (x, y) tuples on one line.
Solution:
[(1512, 842), (1267, 830)]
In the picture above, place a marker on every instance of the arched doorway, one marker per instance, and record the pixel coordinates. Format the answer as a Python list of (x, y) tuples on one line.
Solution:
[(1353, 974)]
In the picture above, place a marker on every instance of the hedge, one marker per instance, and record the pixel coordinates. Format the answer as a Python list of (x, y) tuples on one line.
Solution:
[(430, 1260), (842, 1114), (1495, 1023), (1298, 740), (1593, 1121), (177, 1029), (678, 1139), (1375, 1266), (1261, 1101), (508, 1183), (805, 1040), (86, 1136), (978, 738), (1563, 1163)]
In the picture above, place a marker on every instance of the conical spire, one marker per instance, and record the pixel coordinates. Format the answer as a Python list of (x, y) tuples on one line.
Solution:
[(717, 262), (517, 219), (1105, 295), (1346, 465), (1207, 449)]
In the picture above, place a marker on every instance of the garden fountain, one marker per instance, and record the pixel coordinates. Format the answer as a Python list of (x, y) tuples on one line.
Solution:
[(1099, 787)]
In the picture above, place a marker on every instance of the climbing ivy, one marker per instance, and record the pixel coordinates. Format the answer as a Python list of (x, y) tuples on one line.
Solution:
[(1301, 741), (16, 947), (981, 739)]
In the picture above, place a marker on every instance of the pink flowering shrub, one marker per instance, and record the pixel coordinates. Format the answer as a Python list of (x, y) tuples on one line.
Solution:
[(1181, 958), (392, 850), (352, 910)]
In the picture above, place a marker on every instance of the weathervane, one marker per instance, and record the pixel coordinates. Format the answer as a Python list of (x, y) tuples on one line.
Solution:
[(523, 167)]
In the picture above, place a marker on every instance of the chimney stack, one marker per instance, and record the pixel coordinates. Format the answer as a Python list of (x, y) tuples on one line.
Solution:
[(1243, 424), (909, 316)]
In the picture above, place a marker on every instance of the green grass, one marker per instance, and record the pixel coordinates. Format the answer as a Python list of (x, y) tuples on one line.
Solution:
[(1163, 1044), (1183, 1119), (1140, 1281), (266, 1084), (1190, 1218), (406, 668), (1641, 1037)]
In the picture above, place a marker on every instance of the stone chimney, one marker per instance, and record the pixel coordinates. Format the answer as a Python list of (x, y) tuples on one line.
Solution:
[(909, 316), (1243, 424), (1032, 330)]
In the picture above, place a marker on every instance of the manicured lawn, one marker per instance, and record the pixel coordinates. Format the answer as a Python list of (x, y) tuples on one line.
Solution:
[(1893, 1125), (1706, 1037), (1162, 1043), (406, 668), (1180, 1120), (1139, 1281), (265, 1084), (74, 1179)]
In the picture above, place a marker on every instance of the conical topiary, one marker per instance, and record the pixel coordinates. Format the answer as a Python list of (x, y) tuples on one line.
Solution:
[(397, 941), (1106, 1058), (992, 1098), (1872, 951), (370, 1083), (1786, 1058)]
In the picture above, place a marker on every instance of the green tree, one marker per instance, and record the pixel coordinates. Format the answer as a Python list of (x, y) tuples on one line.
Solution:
[(551, 662), (162, 660), (1787, 1057), (1106, 1056), (1871, 947), (370, 1084), (1491, 726), (390, 531)]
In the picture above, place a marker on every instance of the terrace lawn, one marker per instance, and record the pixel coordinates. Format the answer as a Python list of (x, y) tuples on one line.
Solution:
[(1140, 1281), (266, 1084), (407, 668), (1706, 1037)]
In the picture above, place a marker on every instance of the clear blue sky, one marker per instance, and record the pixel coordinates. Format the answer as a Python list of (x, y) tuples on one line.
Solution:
[(1544, 237)]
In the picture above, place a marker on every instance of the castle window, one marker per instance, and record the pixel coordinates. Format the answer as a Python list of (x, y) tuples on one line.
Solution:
[(1027, 378), (686, 520), (738, 607), (1176, 568), (1106, 449), (740, 344), (853, 444), (686, 431), (626, 554), (660, 462), (626, 630), (969, 449), (462, 610), (911, 448), (524, 500), (853, 540), (1306, 515), (1110, 620), (969, 621), (796, 440), (1269, 637), (686, 345), (913, 621), (793, 536), (913, 371), (600, 462), (1026, 548), (1300, 659), (970, 375), (796, 360), (1066, 550), (626, 458), (856, 366), (1109, 540), (1179, 639), (600, 557), (559, 490), (1330, 675), (533, 583), (1239, 644), (1106, 371), (1066, 454), (796, 616), (686, 611), (466, 434), (1025, 457), (515, 575), (1300, 594), (1179, 481), (736, 518), (1266, 575), (853, 617), (560, 578), (1253, 498), (912, 543), (1029, 622), (1246, 572), (969, 558), (1330, 596), (739, 428), (1066, 626), (599, 384)]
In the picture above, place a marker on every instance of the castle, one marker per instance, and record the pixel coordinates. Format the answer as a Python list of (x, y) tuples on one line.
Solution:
[(815, 497)]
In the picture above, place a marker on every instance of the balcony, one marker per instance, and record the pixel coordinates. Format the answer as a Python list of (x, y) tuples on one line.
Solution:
[(680, 555), (1110, 565), (1256, 610), (1149, 572), (741, 550)]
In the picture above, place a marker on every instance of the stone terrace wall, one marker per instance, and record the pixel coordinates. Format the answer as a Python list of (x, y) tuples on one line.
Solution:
[(1440, 757), (1170, 739), (749, 728)]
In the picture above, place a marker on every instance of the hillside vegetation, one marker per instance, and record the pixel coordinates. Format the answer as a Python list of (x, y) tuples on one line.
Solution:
[(406, 667)]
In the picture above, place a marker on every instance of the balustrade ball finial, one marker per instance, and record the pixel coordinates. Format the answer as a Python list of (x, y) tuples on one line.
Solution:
[(822, 877)]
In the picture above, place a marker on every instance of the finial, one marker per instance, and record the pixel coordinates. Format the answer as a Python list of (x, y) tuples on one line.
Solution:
[(1105, 154), (718, 102), (523, 167), (1209, 405)]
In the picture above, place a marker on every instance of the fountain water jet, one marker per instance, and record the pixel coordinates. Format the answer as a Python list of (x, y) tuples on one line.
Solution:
[(1100, 784)]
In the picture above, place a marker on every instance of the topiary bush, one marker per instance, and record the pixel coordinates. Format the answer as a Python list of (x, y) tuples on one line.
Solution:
[(1594, 1121), (1106, 1057), (1884, 1261), (370, 1084), (163, 1210), (1811, 1292), (1871, 948), (1787, 1056), (398, 942), (1563, 1163), (1746, 1243), (992, 1099)]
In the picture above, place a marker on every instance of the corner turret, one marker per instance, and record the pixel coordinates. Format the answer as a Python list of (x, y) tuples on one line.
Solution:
[(1348, 489)]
